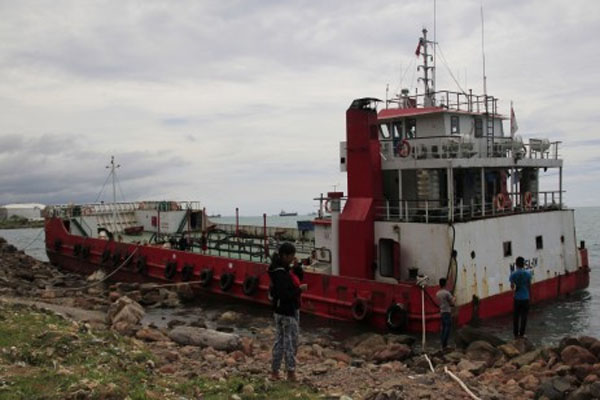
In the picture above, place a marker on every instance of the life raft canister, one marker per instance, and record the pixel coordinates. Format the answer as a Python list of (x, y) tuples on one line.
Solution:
[(226, 281), (206, 277), (361, 309), (403, 148), (170, 269), (396, 317), (250, 285), (141, 266), (187, 272)]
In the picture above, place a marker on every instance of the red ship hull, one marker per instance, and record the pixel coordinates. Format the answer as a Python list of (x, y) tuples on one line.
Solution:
[(332, 297)]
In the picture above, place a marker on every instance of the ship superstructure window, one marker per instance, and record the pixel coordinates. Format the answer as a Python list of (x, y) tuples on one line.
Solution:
[(478, 127), (539, 242), (384, 131), (411, 128), (507, 247), (397, 129), (454, 127)]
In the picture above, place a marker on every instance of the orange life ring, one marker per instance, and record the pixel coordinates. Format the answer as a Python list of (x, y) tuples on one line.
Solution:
[(500, 202), (327, 206), (87, 211), (528, 200), (403, 148)]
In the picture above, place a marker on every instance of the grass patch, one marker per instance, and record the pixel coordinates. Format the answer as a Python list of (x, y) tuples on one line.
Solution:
[(43, 356)]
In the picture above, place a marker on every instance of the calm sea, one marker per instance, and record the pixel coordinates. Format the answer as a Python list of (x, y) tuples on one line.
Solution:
[(548, 322)]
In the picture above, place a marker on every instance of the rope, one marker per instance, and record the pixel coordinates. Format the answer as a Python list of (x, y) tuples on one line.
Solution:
[(461, 383), (102, 190), (34, 239), (107, 276), (450, 71)]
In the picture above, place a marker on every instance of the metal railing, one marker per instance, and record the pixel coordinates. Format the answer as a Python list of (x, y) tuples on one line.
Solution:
[(455, 101), (449, 147), (437, 210)]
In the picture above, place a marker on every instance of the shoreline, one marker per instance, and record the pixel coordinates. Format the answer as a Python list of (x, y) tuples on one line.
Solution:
[(226, 356), (21, 225)]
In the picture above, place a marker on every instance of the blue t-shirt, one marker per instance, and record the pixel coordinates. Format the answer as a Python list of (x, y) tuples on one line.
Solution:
[(521, 279)]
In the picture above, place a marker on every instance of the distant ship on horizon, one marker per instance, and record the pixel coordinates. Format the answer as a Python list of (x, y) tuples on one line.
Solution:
[(283, 213)]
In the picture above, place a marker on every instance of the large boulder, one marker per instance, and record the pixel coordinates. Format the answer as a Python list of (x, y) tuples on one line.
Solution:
[(393, 352), (527, 358), (509, 350), (370, 345), (187, 335), (468, 334), (481, 350), (124, 312), (573, 355)]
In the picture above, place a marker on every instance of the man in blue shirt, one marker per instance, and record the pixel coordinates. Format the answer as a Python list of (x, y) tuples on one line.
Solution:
[(520, 282)]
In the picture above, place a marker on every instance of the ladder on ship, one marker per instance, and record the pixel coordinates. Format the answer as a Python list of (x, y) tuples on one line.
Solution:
[(490, 112)]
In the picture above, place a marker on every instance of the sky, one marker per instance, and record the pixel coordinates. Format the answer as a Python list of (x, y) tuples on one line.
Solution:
[(241, 103)]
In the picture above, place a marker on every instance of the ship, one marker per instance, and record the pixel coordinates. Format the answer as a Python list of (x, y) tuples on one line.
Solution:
[(435, 189), (284, 213)]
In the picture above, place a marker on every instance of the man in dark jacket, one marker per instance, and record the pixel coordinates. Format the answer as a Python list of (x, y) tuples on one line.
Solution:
[(285, 295)]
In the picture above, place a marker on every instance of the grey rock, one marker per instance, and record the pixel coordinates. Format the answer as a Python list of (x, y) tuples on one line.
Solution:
[(188, 335)]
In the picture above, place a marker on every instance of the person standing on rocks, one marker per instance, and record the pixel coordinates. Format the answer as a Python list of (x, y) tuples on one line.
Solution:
[(285, 294), (520, 282), (445, 302)]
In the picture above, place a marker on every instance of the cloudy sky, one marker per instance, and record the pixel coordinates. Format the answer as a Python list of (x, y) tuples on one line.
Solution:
[(242, 103)]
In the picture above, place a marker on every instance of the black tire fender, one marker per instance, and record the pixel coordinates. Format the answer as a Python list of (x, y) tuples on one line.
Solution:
[(187, 272), (396, 317), (206, 277), (361, 309), (226, 281), (141, 266), (250, 285), (170, 269)]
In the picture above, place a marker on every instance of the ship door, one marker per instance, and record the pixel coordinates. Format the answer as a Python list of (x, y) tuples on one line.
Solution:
[(389, 258)]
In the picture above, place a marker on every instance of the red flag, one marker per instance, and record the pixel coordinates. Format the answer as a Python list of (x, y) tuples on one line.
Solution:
[(418, 51)]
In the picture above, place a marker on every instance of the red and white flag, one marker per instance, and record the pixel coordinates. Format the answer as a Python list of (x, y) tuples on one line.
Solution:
[(418, 51), (514, 127)]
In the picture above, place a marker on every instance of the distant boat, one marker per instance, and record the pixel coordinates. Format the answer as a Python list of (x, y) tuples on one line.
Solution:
[(287, 214), (215, 216)]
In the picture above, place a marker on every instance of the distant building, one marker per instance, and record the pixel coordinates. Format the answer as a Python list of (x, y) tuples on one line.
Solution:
[(31, 211)]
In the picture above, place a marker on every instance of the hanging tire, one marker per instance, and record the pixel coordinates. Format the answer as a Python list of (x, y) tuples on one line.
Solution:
[(361, 309), (116, 258), (170, 270), (226, 281), (85, 252), (76, 249), (206, 277), (187, 272), (105, 255), (141, 266), (57, 245), (396, 317), (250, 285)]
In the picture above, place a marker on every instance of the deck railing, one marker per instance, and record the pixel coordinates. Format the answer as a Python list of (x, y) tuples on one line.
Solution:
[(437, 210)]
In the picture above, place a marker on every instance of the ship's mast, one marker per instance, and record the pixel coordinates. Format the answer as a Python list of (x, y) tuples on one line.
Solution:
[(113, 167), (428, 83)]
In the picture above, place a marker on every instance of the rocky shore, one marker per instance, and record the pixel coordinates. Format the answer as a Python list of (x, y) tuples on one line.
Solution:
[(208, 357)]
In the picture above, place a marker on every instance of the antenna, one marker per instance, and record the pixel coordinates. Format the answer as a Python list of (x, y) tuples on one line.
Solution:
[(483, 56), (434, 44), (113, 167)]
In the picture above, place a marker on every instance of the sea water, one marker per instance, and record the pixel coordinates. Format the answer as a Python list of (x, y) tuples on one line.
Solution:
[(548, 322)]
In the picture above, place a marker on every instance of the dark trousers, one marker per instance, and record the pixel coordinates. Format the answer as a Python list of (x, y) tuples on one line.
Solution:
[(446, 327), (521, 308)]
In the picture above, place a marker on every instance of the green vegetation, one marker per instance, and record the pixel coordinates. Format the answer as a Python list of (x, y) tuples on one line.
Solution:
[(43, 356), (16, 222)]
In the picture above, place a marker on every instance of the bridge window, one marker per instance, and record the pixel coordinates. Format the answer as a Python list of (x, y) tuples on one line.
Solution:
[(478, 127), (384, 131), (411, 128), (454, 127)]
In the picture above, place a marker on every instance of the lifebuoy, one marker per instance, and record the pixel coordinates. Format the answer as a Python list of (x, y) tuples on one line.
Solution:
[(170, 269), (396, 317), (403, 148), (77, 249), (500, 202), (105, 255), (206, 277), (528, 200), (141, 266), (87, 211), (328, 206), (226, 281), (187, 272), (360, 309), (250, 285)]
